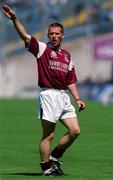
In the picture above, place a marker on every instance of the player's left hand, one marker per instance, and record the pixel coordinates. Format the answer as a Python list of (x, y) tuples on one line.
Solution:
[(81, 105)]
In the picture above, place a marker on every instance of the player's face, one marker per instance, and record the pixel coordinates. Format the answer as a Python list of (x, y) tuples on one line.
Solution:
[(55, 36)]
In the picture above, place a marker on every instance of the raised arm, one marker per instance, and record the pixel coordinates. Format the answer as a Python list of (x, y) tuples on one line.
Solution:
[(9, 13)]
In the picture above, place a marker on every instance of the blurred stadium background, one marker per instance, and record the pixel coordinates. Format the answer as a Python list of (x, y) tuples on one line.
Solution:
[(88, 35)]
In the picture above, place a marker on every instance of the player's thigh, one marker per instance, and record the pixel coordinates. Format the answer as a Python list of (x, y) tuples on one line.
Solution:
[(48, 128), (71, 124)]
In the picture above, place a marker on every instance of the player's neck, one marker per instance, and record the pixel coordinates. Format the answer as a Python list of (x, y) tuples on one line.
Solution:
[(54, 47)]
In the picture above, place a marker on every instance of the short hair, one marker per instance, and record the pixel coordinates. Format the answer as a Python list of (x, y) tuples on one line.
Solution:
[(56, 25)]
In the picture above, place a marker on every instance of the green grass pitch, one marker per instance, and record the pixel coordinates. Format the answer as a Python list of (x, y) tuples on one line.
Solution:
[(89, 158)]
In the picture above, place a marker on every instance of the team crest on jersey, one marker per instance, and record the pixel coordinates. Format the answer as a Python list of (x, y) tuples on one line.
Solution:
[(66, 57), (53, 54)]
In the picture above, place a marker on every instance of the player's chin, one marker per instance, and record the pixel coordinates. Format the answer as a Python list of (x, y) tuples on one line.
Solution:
[(56, 44)]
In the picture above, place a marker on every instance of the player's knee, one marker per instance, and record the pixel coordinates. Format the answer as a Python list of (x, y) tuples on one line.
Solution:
[(51, 136), (75, 132)]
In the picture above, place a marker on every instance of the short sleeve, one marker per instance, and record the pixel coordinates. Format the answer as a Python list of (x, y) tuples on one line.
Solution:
[(71, 75), (33, 46)]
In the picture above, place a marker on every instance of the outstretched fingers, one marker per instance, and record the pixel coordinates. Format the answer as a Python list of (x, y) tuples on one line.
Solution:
[(6, 8), (8, 12)]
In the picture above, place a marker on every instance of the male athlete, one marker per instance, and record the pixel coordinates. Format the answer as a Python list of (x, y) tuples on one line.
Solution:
[(56, 74)]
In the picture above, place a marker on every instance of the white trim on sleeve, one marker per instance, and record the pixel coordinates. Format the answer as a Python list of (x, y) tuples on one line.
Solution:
[(71, 65), (42, 47)]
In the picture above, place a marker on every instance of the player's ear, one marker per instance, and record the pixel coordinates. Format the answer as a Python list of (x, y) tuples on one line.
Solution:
[(63, 35)]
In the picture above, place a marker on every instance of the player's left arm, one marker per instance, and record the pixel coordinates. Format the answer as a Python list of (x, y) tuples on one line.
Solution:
[(73, 90), (71, 84)]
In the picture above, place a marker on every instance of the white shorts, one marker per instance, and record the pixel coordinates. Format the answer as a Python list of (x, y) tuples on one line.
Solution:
[(54, 105)]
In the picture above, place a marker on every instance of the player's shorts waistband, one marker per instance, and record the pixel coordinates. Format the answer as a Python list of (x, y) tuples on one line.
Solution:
[(52, 89)]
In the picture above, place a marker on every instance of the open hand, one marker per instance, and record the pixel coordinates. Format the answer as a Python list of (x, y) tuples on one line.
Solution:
[(9, 12)]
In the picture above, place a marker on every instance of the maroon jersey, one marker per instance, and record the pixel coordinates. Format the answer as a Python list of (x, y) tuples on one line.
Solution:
[(55, 67)]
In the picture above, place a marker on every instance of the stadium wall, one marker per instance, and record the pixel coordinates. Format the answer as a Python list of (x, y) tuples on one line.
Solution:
[(16, 74), (86, 66)]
